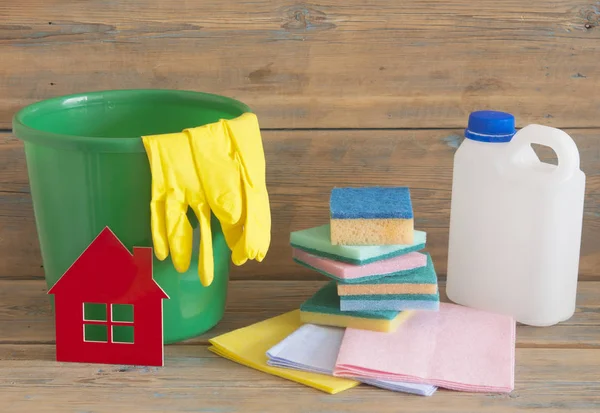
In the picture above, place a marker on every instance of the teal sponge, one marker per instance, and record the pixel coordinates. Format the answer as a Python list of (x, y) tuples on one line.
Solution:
[(371, 203), (317, 241), (326, 300)]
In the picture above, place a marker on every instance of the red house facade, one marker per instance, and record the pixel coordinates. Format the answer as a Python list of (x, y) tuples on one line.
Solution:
[(108, 308)]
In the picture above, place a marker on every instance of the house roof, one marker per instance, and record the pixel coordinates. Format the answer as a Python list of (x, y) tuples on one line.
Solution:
[(108, 272)]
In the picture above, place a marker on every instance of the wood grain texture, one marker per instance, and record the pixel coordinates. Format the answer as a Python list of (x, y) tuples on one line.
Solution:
[(302, 168), (194, 380), (328, 64), (26, 318), (557, 368)]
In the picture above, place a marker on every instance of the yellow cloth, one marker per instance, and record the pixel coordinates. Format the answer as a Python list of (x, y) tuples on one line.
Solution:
[(218, 167), (249, 345)]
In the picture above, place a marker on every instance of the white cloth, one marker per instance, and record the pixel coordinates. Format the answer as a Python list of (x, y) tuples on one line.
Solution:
[(315, 348)]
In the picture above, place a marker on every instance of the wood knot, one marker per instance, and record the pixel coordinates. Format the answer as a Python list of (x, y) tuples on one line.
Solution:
[(260, 75), (485, 86), (591, 16), (304, 18)]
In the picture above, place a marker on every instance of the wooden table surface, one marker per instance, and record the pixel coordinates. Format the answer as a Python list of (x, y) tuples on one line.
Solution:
[(383, 87), (557, 368)]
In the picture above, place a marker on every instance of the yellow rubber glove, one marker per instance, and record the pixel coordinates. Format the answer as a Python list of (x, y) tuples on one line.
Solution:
[(175, 187), (230, 161), (219, 172), (244, 132), (218, 167)]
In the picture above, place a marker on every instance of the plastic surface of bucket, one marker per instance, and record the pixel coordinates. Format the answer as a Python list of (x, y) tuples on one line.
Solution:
[(88, 169)]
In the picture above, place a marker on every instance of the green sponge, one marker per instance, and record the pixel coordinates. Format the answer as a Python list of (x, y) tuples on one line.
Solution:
[(326, 300), (317, 241), (323, 308)]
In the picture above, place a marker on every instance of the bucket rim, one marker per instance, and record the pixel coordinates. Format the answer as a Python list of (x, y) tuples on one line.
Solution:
[(123, 144)]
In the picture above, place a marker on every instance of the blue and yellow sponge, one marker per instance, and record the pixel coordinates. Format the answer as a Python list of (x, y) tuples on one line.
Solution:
[(371, 216)]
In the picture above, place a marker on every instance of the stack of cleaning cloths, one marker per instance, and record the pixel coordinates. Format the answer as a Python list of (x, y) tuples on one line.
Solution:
[(370, 251), (379, 320)]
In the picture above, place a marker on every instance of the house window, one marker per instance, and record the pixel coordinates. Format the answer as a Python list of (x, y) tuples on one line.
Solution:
[(95, 332), (122, 334), (122, 312), (108, 323), (95, 327), (122, 327), (94, 312)]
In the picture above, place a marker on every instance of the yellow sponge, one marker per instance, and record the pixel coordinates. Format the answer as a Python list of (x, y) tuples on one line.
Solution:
[(335, 320), (372, 231)]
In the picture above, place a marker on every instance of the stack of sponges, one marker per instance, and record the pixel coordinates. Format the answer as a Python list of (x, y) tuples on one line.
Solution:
[(385, 288), (370, 251)]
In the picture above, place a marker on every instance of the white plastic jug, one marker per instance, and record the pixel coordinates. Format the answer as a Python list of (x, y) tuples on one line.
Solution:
[(515, 222)]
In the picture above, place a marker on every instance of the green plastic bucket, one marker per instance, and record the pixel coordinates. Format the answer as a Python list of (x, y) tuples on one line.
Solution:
[(88, 169)]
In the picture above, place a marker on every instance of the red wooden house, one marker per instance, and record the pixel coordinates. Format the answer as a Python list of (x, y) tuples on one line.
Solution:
[(108, 308)]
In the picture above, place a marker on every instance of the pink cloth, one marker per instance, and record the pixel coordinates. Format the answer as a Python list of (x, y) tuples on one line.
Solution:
[(457, 348), (348, 271)]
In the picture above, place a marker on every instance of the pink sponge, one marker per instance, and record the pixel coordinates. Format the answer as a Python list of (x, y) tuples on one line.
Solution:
[(350, 273)]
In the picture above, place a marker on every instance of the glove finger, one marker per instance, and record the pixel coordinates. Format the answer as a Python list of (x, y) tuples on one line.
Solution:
[(241, 250), (157, 203), (205, 258), (239, 254), (232, 233), (263, 220), (256, 237), (159, 229), (179, 230), (257, 224)]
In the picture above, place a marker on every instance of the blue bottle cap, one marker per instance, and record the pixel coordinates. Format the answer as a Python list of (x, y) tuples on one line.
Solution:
[(490, 126)]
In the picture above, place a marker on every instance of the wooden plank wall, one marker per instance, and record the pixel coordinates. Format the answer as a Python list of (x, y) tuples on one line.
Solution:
[(348, 93)]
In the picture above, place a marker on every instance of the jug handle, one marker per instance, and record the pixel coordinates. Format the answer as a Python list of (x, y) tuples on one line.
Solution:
[(563, 145)]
